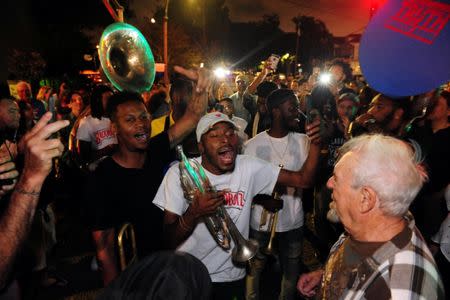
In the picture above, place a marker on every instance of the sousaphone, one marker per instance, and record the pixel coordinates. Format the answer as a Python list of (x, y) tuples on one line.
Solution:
[(126, 58), (128, 63)]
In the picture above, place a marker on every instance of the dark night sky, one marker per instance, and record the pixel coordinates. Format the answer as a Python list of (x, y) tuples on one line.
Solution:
[(23, 23), (342, 17), (19, 17)]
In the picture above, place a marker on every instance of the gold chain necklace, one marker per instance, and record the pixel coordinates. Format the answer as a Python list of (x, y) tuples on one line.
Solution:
[(281, 157)]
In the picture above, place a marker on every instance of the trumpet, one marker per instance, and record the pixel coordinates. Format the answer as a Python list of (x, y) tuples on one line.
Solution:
[(271, 225), (219, 224)]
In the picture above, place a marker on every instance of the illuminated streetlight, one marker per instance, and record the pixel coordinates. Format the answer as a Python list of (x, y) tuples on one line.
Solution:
[(152, 20)]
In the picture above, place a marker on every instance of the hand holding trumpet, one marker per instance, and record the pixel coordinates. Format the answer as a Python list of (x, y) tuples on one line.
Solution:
[(206, 203)]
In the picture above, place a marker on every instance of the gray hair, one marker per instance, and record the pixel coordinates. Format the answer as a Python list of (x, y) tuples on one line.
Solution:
[(389, 167)]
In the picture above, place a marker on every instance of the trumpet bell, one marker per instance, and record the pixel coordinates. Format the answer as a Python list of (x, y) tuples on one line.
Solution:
[(244, 251), (126, 58)]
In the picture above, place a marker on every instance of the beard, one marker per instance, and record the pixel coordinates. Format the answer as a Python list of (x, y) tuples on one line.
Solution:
[(384, 124), (332, 214)]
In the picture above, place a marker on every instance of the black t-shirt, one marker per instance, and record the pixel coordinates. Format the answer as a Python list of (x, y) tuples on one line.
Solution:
[(429, 210), (439, 160), (326, 164), (116, 195), (435, 148)]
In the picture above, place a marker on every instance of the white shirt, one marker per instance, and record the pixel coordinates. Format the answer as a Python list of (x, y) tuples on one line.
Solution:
[(238, 103), (250, 176), (291, 151), (97, 132)]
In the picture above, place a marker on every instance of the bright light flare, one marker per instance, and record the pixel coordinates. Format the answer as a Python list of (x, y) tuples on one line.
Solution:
[(221, 72), (325, 78)]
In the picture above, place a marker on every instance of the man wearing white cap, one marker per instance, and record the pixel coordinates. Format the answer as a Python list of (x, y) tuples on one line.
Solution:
[(238, 178)]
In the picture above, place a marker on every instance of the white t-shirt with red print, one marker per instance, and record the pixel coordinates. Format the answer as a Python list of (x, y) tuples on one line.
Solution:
[(97, 132), (250, 176)]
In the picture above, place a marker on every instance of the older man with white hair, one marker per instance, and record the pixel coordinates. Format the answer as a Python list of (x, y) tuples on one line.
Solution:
[(382, 255), (24, 94)]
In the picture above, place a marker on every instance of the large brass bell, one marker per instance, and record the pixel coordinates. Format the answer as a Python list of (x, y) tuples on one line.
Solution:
[(126, 58)]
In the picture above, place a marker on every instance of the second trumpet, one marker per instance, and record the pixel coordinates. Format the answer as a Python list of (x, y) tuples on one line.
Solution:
[(268, 223)]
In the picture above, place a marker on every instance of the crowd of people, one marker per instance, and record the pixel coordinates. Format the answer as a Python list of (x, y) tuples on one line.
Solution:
[(372, 169)]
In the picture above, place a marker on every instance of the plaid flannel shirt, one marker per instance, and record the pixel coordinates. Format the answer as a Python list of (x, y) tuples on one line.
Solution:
[(408, 272)]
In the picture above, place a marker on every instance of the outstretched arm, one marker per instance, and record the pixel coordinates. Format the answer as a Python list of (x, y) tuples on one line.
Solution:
[(251, 89), (304, 178), (195, 109), (40, 149)]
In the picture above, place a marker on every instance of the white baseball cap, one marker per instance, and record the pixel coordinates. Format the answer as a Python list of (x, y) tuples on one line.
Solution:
[(208, 121)]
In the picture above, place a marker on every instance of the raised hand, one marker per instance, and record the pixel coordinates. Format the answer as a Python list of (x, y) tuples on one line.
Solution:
[(40, 149), (202, 77), (196, 107), (314, 132)]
